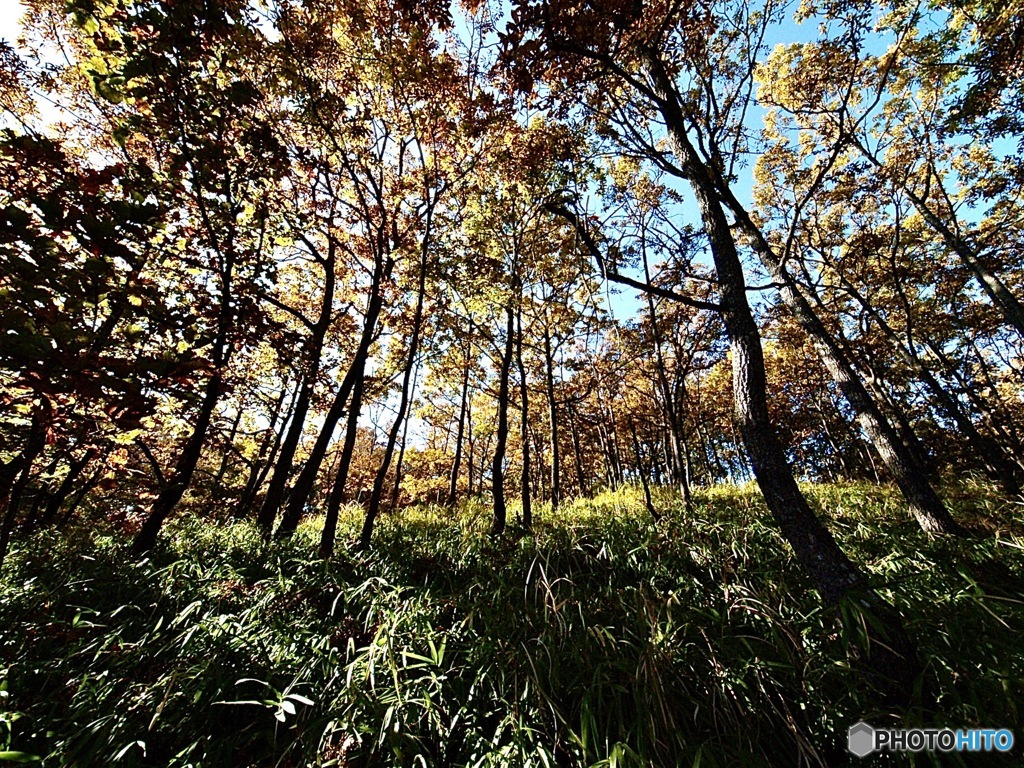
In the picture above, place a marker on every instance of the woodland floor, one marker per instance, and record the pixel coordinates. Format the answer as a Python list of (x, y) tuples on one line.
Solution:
[(601, 639)]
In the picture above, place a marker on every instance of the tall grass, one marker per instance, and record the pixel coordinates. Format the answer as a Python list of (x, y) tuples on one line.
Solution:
[(601, 639)]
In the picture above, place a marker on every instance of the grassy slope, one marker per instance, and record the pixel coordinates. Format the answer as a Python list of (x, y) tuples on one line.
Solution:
[(601, 640)]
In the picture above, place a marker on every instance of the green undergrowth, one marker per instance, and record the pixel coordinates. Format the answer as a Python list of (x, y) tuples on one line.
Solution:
[(602, 639)]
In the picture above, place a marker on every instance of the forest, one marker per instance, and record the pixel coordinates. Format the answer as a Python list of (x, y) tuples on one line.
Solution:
[(528, 383)]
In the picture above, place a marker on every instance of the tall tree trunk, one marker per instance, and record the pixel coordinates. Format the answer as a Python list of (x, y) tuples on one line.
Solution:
[(470, 445), (501, 433), (303, 486), (337, 495), (581, 479), (556, 484), (888, 650), (453, 478), (184, 468), (401, 450), (931, 514), (988, 450), (15, 474), (311, 358), (667, 397), (406, 395), (524, 419), (642, 470)]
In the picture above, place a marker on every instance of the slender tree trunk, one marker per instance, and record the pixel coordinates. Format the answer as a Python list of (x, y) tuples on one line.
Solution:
[(312, 354), (75, 471), (556, 484), (303, 486), (414, 348), (401, 449), (581, 479), (225, 459), (524, 420), (988, 450), (337, 495), (453, 479), (470, 445), (501, 434), (269, 446), (997, 291), (648, 504), (185, 467)]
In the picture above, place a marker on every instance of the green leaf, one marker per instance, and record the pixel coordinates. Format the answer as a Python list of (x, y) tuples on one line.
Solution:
[(19, 757)]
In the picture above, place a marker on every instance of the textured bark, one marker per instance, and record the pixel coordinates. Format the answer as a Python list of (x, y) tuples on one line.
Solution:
[(911, 478), (887, 650), (998, 465)]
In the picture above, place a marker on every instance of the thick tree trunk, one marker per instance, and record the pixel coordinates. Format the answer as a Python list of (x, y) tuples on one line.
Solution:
[(931, 514), (888, 650), (501, 433)]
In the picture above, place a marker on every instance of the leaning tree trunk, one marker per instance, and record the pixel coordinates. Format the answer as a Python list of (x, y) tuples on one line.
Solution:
[(303, 486), (337, 494), (888, 650), (185, 467), (928, 509)]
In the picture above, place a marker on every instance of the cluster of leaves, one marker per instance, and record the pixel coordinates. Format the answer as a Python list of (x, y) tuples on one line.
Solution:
[(603, 639)]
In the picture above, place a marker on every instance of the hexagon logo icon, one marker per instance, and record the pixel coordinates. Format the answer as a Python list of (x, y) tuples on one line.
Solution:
[(861, 739)]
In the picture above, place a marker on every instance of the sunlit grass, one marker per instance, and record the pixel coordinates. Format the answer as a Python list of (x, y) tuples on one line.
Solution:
[(599, 638)]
